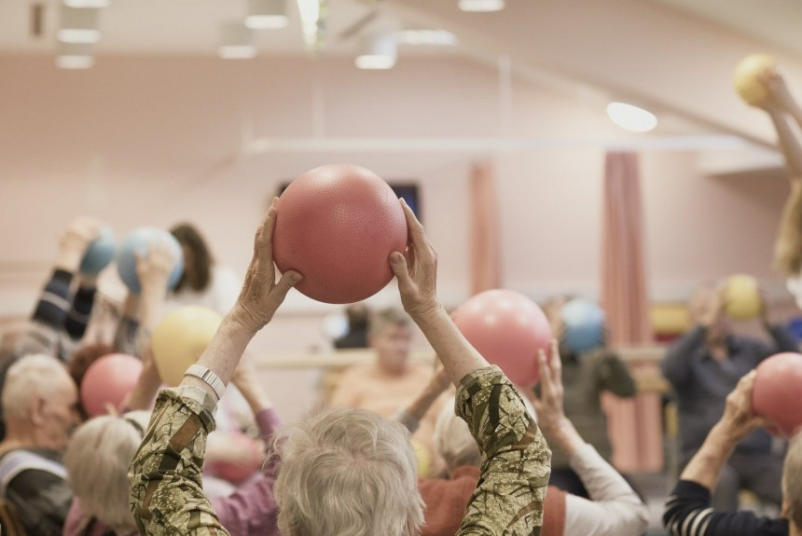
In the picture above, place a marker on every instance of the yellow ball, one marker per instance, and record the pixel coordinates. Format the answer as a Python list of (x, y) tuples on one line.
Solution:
[(670, 318), (747, 78), (180, 339), (742, 297), (424, 459)]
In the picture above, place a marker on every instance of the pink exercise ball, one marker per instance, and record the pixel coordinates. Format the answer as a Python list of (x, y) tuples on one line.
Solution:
[(108, 381), (508, 329), (239, 472), (337, 225), (775, 395)]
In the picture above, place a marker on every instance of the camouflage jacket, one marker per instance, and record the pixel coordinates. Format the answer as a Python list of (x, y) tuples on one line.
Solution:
[(167, 498)]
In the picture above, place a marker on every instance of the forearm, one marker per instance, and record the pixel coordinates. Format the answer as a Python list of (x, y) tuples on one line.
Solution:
[(788, 141), (166, 494), (565, 436), (223, 354), (51, 309), (81, 310), (705, 467), (517, 460), (459, 358)]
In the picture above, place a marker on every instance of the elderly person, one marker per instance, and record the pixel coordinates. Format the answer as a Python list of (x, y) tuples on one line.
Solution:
[(344, 471), (391, 380), (102, 449), (40, 403), (703, 366), (614, 507), (688, 511)]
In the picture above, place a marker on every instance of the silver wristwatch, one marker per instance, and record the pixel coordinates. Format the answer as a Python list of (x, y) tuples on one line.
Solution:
[(208, 377)]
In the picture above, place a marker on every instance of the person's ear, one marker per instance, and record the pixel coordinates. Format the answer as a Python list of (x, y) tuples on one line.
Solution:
[(36, 409)]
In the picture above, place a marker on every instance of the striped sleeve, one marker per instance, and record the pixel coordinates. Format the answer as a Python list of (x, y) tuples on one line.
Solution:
[(51, 310), (78, 317), (688, 513)]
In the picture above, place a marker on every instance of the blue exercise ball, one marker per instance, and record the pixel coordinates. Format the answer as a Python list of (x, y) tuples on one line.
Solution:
[(584, 325), (137, 241), (100, 252)]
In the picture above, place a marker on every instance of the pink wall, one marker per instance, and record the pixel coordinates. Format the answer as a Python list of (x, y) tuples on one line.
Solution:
[(152, 141)]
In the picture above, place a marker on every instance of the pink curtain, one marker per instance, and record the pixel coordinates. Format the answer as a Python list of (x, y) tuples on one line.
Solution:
[(635, 425), (485, 249)]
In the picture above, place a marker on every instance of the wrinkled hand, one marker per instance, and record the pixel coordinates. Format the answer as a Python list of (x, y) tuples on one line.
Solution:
[(549, 406), (416, 270), (261, 296), (153, 267), (75, 241), (738, 420)]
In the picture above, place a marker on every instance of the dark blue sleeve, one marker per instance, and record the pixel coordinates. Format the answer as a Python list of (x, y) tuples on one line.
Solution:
[(783, 340), (78, 317), (51, 310), (688, 513), (676, 365)]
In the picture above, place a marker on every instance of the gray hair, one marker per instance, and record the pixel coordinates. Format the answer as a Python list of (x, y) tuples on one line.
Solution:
[(347, 472), (792, 480), (453, 440), (31, 376), (97, 461), (387, 317)]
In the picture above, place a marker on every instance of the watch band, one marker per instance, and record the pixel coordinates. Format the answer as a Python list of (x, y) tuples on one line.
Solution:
[(208, 377)]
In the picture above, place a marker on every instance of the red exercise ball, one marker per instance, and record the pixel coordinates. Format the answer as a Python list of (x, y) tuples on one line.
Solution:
[(108, 381), (775, 395), (245, 467), (508, 329), (337, 226)]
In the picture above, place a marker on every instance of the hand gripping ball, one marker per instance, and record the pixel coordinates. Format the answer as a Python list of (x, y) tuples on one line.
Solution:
[(138, 242), (337, 226)]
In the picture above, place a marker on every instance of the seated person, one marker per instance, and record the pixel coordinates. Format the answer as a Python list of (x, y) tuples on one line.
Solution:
[(40, 403), (688, 510), (585, 377), (343, 471), (391, 381), (614, 507), (101, 451), (703, 366)]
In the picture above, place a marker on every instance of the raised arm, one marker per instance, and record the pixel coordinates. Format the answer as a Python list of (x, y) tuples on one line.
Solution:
[(516, 460), (412, 415), (614, 507), (55, 301), (166, 493), (688, 511)]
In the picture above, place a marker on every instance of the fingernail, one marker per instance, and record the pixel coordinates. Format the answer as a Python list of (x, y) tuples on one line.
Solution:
[(403, 201), (296, 277), (396, 257)]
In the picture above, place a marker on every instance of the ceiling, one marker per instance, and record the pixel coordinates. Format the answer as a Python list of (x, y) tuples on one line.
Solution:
[(777, 22), (152, 27)]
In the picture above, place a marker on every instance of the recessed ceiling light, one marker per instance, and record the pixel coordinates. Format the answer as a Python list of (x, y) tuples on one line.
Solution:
[(631, 117), (74, 62), (427, 37), (378, 52), (78, 25), (481, 6), (236, 42), (267, 15), (87, 3)]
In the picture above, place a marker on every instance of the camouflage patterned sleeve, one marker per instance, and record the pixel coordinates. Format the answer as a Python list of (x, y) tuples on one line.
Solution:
[(516, 461), (166, 494)]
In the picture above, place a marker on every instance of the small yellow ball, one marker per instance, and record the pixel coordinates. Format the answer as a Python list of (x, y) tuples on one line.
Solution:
[(742, 297), (747, 80)]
